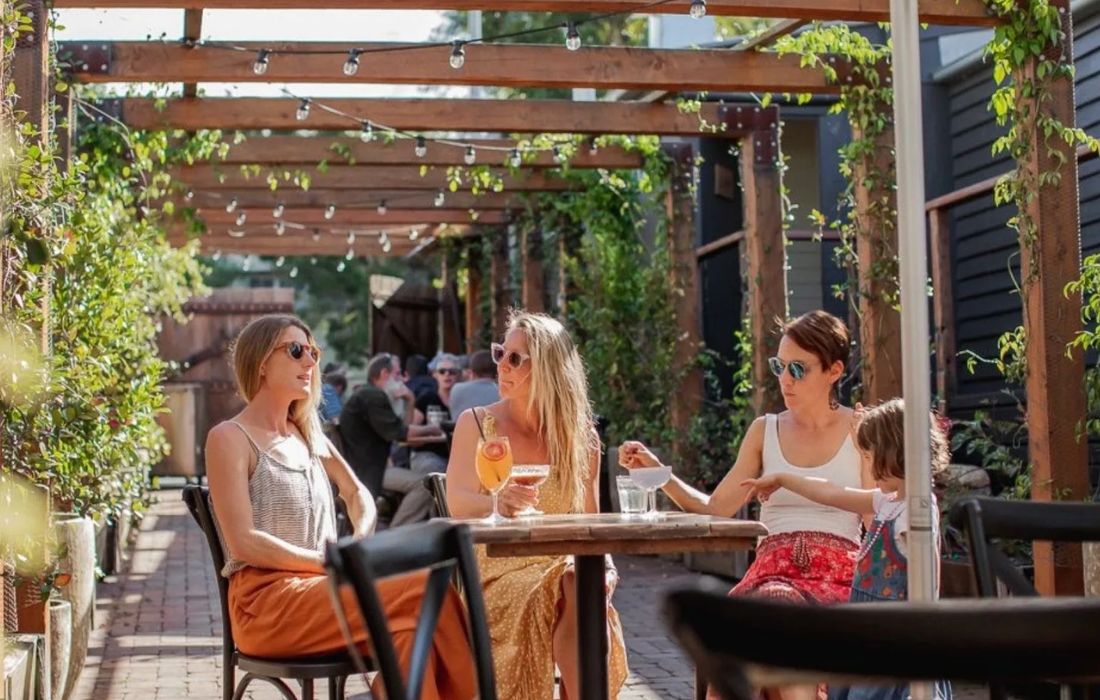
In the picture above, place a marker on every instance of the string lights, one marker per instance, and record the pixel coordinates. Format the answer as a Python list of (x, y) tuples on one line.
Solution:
[(421, 149), (514, 159), (382, 208), (330, 211), (471, 156), (277, 212), (698, 9), (366, 132), (572, 37), (351, 65), (440, 198), (458, 55), (259, 66), (231, 206), (280, 227), (303, 109)]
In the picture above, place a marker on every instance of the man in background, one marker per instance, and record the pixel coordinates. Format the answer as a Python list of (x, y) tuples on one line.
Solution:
[(481, 390)]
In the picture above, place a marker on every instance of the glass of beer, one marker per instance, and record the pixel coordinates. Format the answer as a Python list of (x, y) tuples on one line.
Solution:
[(532, 475), (494, 466)]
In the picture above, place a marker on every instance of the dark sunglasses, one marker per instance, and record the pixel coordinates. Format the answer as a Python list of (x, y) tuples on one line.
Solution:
[(515, 359), (296, 350), (454, 372), (797, 368)]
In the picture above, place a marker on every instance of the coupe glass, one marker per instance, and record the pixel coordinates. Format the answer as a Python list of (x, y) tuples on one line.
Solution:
[(651, 479), (530, 475), (494, 466)]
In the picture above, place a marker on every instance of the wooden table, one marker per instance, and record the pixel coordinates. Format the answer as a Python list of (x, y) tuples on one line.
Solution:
[(589, 537)]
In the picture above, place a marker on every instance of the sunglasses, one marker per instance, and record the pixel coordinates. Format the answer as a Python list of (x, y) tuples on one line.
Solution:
[(296, 350), (515, 359), (454, 372), (797, 368)]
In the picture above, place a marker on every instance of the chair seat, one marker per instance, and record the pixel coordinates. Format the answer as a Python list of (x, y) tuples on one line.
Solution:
[(980, 640), (322, 666)]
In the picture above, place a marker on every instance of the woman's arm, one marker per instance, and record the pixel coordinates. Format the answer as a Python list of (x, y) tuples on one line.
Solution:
[(360, 503), (730, 495), (464, 496), (228, 456), (818, 490)]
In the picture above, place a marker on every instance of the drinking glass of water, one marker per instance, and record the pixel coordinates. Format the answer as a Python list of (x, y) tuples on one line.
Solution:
[(651, 479), (631, 496)]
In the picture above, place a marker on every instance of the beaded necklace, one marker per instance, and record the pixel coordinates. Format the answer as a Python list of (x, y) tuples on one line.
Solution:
[(881, 518)]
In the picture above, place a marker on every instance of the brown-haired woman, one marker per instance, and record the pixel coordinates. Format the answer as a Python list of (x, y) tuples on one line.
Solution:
[(269, 469), (808, 554)]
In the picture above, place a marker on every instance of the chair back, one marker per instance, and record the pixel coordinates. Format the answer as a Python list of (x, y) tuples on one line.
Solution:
[(437, 487), (197, 499), (442, 548), (985, 519)]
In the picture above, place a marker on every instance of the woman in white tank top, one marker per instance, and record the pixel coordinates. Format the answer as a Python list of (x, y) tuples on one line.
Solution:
[(808, 555)]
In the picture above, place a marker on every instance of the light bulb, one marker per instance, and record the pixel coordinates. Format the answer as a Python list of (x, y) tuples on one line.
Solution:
[(316, 235), (440, 198), (247, 264), (313, 260), (190, 195), (516, 160), (232, 206), (572, 37), (350, 254), (593, 149), (294, 271), (557, 154), (471, 155), (382, 208), (413, 234), (262, 59), (351, 66), (303, 110), (351, 238), (330, 211), (383, 237), (280, 228), (279, 261), (367, 134), (387, 246), (241, 218), (421, 149), (698, 9), (458, 55), (278, 210), (217, 255), (340, 267)]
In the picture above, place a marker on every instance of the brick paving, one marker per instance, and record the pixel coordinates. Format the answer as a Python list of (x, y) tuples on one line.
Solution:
[(158, 626)]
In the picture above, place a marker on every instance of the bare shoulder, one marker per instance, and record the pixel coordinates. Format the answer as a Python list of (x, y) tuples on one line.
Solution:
[(227, 441), (755, 433)]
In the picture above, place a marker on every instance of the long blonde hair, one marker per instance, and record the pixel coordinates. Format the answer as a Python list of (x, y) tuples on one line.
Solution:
[(252, 346), (558, 399)]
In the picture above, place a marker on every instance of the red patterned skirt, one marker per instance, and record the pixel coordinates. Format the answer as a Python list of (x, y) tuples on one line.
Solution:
[(801, 567)]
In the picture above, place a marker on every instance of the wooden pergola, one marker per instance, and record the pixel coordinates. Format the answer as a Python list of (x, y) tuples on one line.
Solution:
[(360, 176)]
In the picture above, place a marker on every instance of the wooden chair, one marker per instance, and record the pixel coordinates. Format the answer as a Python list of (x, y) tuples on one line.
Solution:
[(988, 641), (443, 549), (335, 667)]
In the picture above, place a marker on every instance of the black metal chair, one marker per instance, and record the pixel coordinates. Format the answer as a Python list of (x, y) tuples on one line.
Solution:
[(307, 669), (740, 643), (437, 487), (442, 548)]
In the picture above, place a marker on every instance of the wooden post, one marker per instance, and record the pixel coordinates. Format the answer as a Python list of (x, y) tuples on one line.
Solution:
[(1055, 379), (682, 241), (765, 254), (474, 319), (499, 284), (533, 284), (568, 245), (449, 320), (30, 73), (943, 304), (876, 248), (65, 128)]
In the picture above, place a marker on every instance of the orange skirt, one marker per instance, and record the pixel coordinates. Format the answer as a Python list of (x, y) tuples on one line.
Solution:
[(281, 614)]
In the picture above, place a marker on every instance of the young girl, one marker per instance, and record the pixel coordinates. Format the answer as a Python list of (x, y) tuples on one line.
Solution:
[(881, 564)]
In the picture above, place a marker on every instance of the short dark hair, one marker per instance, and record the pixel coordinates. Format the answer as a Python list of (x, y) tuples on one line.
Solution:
[(482, 365), (826, 337), (377, 365), (336, 379), (416, 365)]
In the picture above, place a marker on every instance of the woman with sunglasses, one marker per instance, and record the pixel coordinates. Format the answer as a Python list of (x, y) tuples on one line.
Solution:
[(808, 555), (269, 469), (545, 414)]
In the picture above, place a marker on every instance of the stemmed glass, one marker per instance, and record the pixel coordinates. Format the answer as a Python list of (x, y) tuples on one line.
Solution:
[(494, 466), (651, 479), (532, 475)]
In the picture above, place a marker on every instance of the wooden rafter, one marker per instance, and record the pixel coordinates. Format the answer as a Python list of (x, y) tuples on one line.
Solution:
[(320, 197), (502, 65), (952, 12), (504, 116), (298, 150), (192, 31), (350, 217), (361, 177), (768, 36)]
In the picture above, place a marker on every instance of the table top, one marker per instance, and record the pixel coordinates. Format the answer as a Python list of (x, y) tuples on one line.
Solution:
[(614, 533), (423, 440)]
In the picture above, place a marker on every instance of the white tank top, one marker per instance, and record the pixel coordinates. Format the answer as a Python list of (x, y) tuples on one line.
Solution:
[(785, 511)]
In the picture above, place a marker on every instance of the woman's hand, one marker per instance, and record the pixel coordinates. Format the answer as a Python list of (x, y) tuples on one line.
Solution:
[(633, 454), (513, 498), (762, 488)]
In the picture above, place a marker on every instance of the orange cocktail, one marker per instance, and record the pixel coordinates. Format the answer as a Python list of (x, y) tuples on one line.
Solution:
[(494, 466)]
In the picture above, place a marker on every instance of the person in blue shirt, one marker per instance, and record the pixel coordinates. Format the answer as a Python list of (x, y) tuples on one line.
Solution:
[(332, 394)]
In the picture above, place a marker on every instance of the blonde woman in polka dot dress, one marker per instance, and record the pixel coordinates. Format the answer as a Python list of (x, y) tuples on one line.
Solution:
[(531, 601)]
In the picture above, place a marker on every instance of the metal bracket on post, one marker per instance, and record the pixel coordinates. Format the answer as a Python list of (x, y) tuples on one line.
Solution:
[(87, 59), (108, 108), (682, 155)]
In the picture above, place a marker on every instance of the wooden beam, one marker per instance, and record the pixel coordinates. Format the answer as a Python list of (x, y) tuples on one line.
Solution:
[(475, 321), (1049, 259), (352, 217), (299, 150), (319, 197), (499, 65), (767, 37), (950, 12), (877, 249), (358, 178), (766, 258), (943, 305), (426, 114), (192, 32), (684, 273)]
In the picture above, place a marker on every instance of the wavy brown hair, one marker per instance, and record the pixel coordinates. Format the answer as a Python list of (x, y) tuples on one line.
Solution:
[(252, 347), (881, 432)]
